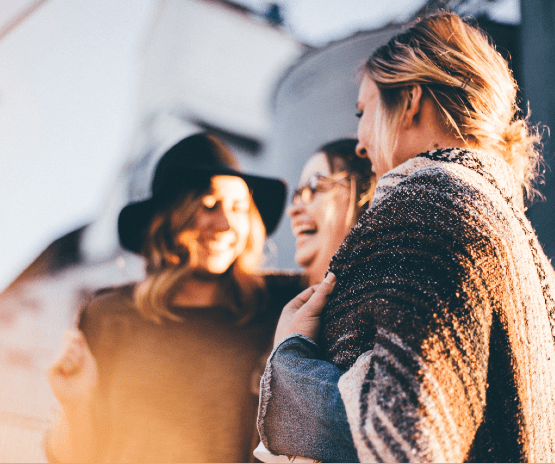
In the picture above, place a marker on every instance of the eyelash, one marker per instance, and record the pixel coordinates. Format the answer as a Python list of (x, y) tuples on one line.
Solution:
[(359, 114)]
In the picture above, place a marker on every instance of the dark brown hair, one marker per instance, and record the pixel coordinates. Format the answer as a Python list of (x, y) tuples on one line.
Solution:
[(341, 156)]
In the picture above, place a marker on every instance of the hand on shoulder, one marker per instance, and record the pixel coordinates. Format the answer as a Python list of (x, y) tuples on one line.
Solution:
[(302, 313), (73, 375)]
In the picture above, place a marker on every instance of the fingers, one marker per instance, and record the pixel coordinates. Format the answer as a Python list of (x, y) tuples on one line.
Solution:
[(317, 301), (300, 299), (71, 359), (325, 288), (302, 314)]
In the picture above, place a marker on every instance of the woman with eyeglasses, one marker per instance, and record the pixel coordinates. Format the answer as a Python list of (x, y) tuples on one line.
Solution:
[(335, 188)]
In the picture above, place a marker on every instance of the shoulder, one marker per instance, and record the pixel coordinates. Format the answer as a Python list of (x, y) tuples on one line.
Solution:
[(106, 312), (428, 178), (283, 286), (426, 207), (109, 300), (426, 192), (460, 175), (278, 282)]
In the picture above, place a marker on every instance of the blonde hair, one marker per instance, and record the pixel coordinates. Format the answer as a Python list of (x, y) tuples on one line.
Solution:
[(169, 264), (471, 84)]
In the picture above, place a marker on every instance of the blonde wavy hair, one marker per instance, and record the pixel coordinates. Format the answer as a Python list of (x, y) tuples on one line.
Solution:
[(471, 84), (169, 264)]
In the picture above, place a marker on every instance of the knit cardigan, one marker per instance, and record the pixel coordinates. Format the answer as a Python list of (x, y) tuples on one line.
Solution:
[(443, 317)]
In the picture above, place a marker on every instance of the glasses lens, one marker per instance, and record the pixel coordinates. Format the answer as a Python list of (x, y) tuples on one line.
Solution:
[(316, 183)]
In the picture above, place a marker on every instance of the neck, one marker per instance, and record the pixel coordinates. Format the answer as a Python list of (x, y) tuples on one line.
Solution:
[(315, 278), (198, 292), (430, 140), (424, 134), (443, 140)]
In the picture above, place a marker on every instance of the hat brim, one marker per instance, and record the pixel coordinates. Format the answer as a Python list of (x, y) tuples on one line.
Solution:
[(269, 196)]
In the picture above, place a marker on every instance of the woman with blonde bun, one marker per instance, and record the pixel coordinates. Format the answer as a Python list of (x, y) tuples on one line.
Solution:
[(433, 334)]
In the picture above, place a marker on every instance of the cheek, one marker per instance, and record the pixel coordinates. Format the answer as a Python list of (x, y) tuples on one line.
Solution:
[(242, 228), (334, 214), (365, 129), (200, 220), (361, 133), (331, 214), (320, 210)]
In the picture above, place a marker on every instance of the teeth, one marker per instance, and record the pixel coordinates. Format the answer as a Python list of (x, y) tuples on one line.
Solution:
[(217, 246), (303, 228)]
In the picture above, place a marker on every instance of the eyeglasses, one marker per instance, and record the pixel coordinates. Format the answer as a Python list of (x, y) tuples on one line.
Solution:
[(316, 184)]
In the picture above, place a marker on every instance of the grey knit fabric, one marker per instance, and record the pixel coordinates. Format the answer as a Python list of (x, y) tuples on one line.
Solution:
[(445, 298)]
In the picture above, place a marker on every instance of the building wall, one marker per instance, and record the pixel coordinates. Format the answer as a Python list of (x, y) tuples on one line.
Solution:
[(315, 103), (538, 69)]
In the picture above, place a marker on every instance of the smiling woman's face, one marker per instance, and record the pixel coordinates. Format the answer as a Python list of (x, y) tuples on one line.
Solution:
[(319, 225), (221, 226)]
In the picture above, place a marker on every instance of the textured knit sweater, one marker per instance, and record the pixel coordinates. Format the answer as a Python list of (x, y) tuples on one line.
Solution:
[(443, 317)]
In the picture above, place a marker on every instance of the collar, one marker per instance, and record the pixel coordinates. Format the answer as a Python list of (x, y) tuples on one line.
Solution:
[(495, 170)]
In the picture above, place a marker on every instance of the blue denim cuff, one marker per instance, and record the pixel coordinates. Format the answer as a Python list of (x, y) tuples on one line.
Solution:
[(293, 341), (301, 412)]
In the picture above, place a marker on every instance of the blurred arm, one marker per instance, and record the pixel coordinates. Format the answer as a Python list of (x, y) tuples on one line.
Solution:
[(73, 378)]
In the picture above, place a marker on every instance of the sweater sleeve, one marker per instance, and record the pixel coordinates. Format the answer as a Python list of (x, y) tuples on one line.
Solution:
[(426, 265), (301, 412)]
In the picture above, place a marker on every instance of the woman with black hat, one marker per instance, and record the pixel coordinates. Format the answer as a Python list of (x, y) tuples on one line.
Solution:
[(173, 359)]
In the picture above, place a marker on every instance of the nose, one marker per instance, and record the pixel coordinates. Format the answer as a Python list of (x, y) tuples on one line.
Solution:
[(295, 208), (220, 220), (361, 151)]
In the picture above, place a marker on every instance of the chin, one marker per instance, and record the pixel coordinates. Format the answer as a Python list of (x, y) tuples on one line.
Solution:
[(217, 270), (213, 269), (206, 275), (303, 261)]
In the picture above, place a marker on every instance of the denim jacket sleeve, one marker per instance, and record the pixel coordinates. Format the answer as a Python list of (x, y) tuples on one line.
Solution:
[(301, 412)]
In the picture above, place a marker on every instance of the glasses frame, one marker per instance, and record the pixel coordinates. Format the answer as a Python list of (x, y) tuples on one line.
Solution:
[(316, 184)]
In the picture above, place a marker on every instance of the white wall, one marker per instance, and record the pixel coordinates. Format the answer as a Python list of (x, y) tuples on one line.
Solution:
[(67, 85)]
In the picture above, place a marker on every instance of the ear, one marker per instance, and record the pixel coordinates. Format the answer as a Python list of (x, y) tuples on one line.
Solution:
[(412, 112)]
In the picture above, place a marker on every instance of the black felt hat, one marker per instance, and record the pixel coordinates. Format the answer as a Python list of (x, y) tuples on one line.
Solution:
[(189, 165)]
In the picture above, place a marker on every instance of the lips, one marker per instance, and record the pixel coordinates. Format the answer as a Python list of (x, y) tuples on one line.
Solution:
[(303, 232), (219, 246), (303, 229), (216, 247)]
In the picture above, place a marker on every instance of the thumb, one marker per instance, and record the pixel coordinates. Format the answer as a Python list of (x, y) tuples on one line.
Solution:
[(315, 304), (327, 285)]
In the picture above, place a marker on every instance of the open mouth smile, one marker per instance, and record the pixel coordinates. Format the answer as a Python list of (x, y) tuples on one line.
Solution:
[(300, 230)]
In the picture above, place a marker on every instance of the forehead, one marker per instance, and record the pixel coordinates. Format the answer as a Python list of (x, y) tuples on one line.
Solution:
[(229, 186), (317, 164), (367, 91)]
